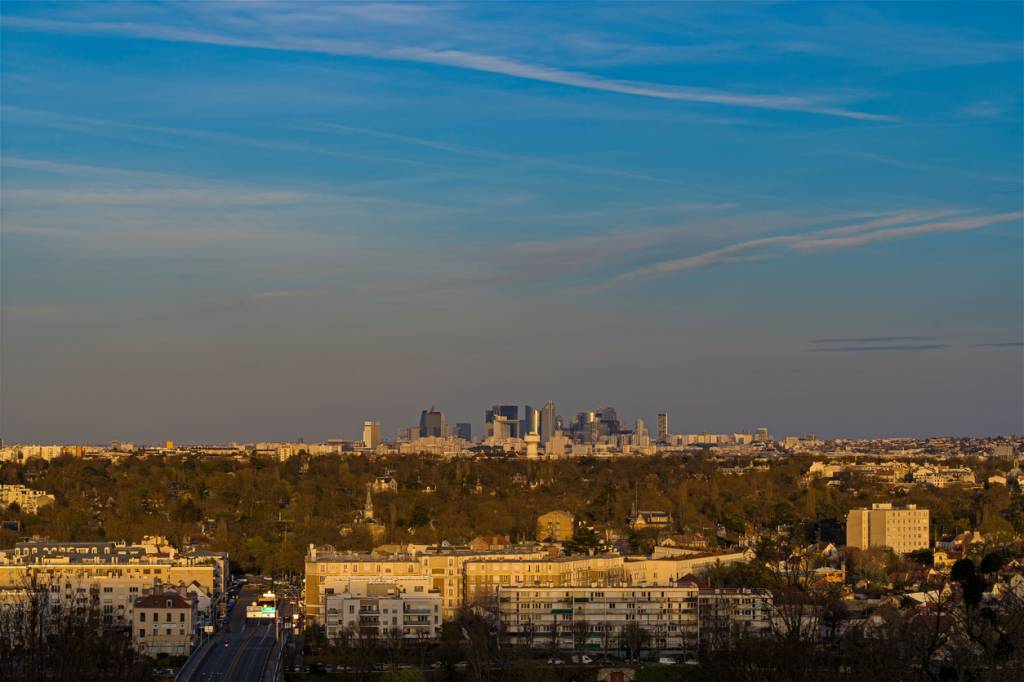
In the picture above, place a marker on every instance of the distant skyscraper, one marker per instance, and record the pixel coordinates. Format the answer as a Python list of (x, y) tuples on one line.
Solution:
[(502, 428), (432, 424), (509, 412), (547, 422), (371, 434), (663, 427), (641, 437), (464, 430), (528, 425)]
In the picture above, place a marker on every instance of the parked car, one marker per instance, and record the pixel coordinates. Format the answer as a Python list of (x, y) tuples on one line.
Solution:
[(667, 660), (584, 659)]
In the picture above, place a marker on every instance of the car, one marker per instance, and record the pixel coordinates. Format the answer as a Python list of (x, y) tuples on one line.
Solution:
[(667, 660), (555, 661), (584, 659)]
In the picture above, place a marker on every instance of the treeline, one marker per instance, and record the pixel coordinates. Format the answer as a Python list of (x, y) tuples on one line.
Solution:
[(265, 512)]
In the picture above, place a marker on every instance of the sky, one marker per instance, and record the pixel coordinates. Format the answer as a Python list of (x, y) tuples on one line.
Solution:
[(251, 221)]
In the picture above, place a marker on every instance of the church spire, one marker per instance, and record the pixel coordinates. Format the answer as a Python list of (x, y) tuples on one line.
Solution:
[(368, 507)]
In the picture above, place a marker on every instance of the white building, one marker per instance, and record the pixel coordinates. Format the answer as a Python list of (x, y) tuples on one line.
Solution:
[(27, 499), (383, 610)]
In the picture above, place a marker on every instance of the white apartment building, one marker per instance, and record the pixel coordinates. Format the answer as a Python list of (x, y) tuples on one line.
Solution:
[(904, 529), (723, 611), (27, 499), (675, 617), (384, 611), (596, 617)]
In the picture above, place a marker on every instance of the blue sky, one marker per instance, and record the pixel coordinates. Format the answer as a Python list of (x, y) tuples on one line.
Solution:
[(256, 220)]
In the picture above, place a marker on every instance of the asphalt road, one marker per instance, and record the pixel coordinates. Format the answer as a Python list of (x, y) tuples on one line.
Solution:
[(248, 648)]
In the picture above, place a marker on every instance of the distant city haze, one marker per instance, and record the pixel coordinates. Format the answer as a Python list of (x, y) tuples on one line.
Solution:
[(247, 222)]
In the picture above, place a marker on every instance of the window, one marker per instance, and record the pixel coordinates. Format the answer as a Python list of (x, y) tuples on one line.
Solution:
[(142, 632), (182, 619), (142, 616), (168, 619)]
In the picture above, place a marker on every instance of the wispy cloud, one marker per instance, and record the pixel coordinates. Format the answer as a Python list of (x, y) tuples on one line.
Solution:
[(873, 339), (150, 197), (986, 108), (880, 349), (455, 58), (1000, 344), (900, 226), (495, 155), (42, 311)]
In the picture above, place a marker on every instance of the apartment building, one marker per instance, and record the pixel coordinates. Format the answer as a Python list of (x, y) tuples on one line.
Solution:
[(597, 617), (723, 611), (27, 499), (484, 576), (555, 526), (904, 529), (384, 611), (664, 569), (675, 617), (163, 623), (112, 575), (458, 575)]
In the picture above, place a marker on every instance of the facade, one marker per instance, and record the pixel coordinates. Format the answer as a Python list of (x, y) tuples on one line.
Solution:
[(668, 569), (904, 529), (502, 421), (27, 499), (384, 610), (464, 430), (555, 526), (112, 575), (432, 424), (723, 611), (371, 434), (595, 618), (483, 577), (163, 623), (459, 576), (547, 422), (663, 427)]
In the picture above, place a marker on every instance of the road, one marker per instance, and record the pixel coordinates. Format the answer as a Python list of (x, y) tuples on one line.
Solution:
[(246, 653)]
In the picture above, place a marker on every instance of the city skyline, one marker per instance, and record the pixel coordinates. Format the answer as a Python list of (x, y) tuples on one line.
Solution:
[(227, 221)]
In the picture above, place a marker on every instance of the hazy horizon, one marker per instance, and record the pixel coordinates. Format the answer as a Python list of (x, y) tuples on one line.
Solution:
[(234, 221)]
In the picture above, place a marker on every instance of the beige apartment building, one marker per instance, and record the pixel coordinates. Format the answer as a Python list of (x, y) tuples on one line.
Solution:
[(459, 576), (555, 526), (484, 576), (904, 529), (163, 623), (111, 575), (27, 499), (661, 570)]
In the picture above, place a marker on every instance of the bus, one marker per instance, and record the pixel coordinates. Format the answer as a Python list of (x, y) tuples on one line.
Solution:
[(264, 608)]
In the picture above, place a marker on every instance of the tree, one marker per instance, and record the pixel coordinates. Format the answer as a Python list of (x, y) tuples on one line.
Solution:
[(45, 636), (634, 639)]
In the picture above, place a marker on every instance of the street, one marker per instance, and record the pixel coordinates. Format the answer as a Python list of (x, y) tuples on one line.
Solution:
[(247, 651)]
